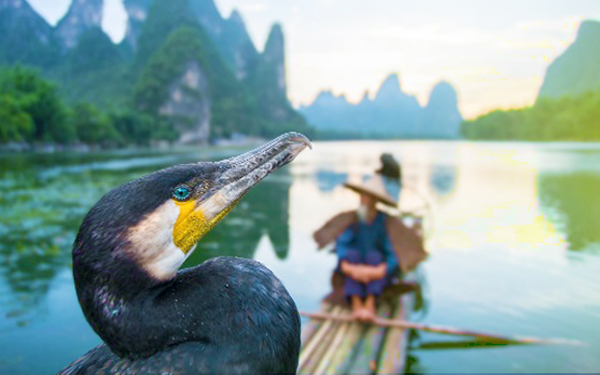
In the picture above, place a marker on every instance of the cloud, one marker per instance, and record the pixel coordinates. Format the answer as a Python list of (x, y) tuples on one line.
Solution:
[(114, 20), (432, 33), (253, 7), (52, 11), (532, 35)]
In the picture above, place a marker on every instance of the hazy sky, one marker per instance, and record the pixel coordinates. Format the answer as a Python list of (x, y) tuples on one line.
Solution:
[(494, 52)]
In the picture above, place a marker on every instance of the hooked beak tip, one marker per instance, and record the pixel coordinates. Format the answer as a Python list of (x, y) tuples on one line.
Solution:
[(300, 138)]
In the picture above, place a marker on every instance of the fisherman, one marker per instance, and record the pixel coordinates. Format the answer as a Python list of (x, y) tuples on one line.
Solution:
[(372, 247)]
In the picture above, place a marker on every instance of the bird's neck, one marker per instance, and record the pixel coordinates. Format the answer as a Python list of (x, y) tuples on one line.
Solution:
[(112, 300)]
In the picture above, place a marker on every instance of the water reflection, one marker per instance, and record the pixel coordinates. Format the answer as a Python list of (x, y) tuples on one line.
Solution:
[(443, 179), (572, 201), (39, 222), (504, 216), (328, 180)]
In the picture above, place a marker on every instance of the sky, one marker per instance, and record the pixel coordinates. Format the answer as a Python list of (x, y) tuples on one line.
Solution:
[(495, 53)]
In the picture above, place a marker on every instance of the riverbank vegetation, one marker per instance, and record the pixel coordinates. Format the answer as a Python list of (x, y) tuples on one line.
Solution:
[(570, 118), (32, 111)]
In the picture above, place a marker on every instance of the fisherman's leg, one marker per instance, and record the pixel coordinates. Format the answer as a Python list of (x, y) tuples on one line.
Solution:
[(357, 305), (351, 286), (376, 287), (354, 291), (368, 311)]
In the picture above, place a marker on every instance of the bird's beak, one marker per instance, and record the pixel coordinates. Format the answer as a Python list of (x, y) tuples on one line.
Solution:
[(240, 173), (246, 170), (235, 177)]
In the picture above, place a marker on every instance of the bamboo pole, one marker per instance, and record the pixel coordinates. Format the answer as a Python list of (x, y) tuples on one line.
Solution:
[(316, 339), (370, 345), (315, 359), (344, 355), (393, 355), (398, 323), (311, 327), (332, 348)]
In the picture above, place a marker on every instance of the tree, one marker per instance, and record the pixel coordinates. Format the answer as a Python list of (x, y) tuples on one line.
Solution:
[(134, 127), (93, 126), (16, 124), (40, 100), (569, 118)]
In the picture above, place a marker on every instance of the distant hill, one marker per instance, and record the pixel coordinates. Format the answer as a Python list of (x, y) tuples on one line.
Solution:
[(577, 70), (441, 117), (181, 63), (568, 104), (25, 37), (390, 113)]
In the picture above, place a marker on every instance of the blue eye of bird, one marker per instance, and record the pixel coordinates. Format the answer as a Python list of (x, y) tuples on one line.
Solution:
[(181, 193)]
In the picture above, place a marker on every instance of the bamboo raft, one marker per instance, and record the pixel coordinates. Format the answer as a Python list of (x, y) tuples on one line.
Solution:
[(333, 346)]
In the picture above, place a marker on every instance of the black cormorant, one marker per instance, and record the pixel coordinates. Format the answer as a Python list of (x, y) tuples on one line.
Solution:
[(227, 315)]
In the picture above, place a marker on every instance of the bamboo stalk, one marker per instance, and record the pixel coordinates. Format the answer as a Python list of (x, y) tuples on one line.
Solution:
[(332, 348), (316, 358), (317, 338), (343, 356), (393, 354), (398, 323), (369, 348), (311, 327)]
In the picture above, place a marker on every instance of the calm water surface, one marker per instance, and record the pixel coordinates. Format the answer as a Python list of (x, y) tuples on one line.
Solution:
[(513, 231)]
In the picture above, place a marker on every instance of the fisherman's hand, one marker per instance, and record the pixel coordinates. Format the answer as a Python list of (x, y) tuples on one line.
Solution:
[(362, 273), (365, 274), (356, 272), (349, 269), (377, 272)]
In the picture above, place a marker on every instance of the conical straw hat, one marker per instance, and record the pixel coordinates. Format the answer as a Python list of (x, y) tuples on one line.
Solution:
[(375, 186)]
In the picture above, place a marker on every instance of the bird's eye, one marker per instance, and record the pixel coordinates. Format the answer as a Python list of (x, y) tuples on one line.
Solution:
[(181, 193)]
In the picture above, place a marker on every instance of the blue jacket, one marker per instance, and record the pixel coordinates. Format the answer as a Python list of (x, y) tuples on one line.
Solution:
[(368, 237)]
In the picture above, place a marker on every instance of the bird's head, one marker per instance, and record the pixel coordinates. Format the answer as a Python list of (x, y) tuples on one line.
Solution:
[(155, 222)]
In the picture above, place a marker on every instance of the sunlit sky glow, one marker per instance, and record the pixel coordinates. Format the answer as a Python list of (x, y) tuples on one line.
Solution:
[(494, 52)]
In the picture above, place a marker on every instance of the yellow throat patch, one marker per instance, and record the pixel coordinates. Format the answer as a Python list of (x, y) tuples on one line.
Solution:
[(192, 225)]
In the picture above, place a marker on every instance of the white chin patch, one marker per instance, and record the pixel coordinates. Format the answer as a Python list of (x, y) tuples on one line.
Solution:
[(152, 242)]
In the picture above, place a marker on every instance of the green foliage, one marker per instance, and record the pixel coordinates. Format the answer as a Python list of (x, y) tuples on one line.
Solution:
[(134, 127), (164, 17), (570, 118), (127, 89), (39, 99), (95, 71), (17, 125), (577, 69), (32, 111), (171, 40), (165, 67), (93, 126), (233, 109)]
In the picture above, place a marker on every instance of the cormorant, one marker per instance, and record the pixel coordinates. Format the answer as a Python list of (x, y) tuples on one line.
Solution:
[(226, 315)]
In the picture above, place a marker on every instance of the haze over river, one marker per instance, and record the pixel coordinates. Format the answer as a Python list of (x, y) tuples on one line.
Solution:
[(513, 230)]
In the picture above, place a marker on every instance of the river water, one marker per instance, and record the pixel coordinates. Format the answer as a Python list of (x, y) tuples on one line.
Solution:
[(513, 230)]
